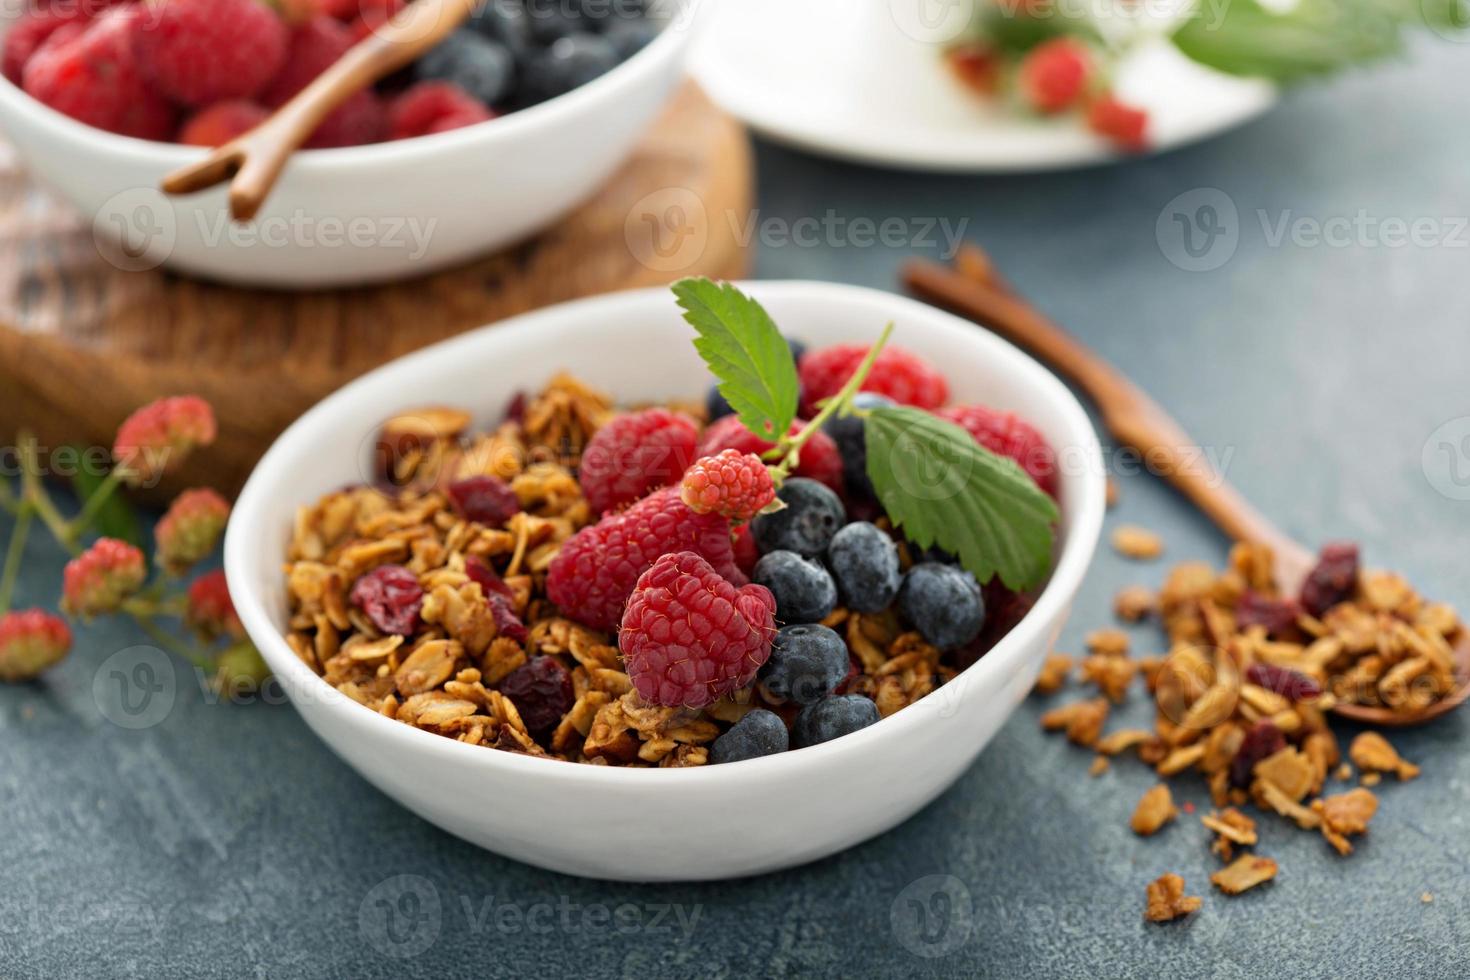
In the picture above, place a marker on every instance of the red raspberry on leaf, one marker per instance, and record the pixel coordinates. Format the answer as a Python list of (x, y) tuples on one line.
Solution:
[(31, 641), (1121, 123), (221, 122), (746, 552), (1054, 74), (594, 573), (1006, 434), (689, 637), (434, 107), (93, 76), (634, 454), (732, 484), (34, 30), (198, 52), (902, 375), (820, 458)]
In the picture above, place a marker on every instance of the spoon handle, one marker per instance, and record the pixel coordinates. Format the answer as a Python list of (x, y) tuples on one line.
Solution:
[(255, 160), (1133, 418)]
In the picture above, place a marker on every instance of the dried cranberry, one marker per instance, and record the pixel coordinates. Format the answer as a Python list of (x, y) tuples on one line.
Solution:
[(506, 620), (484, 499), (391, 597), (1334, 579), (515, 409), (541, 690), (1278, 616), (1289, 684), (490, 583), (1264, 740)]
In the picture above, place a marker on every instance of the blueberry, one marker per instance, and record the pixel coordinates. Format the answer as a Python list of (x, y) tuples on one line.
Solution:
[(807, 663), (483, 68), (552, 20), (759, 733), (570, 62), (804, 591), (506, 22), (813, 513), (628, 37), (864, 561), (832, 718), (943, 603), (715, 404), (852, 443)]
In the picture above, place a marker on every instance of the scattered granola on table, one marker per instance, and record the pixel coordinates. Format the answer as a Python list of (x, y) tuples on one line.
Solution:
[(1137, 543), (1242, 697), (1167, 901), (604, 586)]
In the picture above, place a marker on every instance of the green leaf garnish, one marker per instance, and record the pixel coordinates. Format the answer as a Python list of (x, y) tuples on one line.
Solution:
[(115, 518), (1313, 38), (942, 488), (744, 350)]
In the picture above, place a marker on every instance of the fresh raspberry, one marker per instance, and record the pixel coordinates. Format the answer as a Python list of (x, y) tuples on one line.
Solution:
[(594, 573), (1054, 74), (634, 454), (902, 375), (211, 611), (191, 528), (433, 107), (161, 434), (93, 77), (222, 122), (1008, 435), (1121, 123), (820, 458), (98, 580), (732, 484), (35, 29), (541, 690), (484, 499), (314, 47), (198, 52), (391, 597), (1333, 581), (31, 641), (689, 637)]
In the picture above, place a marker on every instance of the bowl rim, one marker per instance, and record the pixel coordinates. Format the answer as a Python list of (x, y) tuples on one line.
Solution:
[(675, 36), (1073, 560)]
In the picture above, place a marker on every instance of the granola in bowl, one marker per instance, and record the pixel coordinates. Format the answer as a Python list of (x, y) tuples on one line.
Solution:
[(673, 585)]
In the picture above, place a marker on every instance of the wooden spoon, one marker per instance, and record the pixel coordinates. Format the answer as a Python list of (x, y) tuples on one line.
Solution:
[(253, 162), (973, 290)]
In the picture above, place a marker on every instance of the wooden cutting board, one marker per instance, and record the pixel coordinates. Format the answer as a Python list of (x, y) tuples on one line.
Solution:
[(83, 343)]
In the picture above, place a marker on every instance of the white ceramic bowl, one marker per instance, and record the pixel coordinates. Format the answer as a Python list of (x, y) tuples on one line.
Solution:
[(358, 214), (661, 824)]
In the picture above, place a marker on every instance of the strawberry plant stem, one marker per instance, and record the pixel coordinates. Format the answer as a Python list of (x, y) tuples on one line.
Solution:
[(838, 402), (12, 556), (94, 503), (33, 492)]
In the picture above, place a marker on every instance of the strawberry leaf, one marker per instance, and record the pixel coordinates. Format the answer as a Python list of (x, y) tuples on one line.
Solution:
[(744, 350), (942, 488)]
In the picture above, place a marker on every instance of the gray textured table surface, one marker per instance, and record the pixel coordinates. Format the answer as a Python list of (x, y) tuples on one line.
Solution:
[(228, 842)]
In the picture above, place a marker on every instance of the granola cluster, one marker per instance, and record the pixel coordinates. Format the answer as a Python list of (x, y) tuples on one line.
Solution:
[(446, 676), (1241, 700)]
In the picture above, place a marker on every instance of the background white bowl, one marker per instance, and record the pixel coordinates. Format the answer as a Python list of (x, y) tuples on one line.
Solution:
[(668, 824), (358, 214)]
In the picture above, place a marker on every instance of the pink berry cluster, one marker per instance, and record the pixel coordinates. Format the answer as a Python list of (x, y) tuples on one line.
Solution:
[(1059, 75), (112, 576)]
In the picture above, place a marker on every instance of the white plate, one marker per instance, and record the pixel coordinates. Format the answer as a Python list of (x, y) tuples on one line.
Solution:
[(855, 79)]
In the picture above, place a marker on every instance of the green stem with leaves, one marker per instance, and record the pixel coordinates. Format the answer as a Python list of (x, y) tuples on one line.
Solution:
[(33, 494), (13, 555), (788, 450), (95, 502)]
